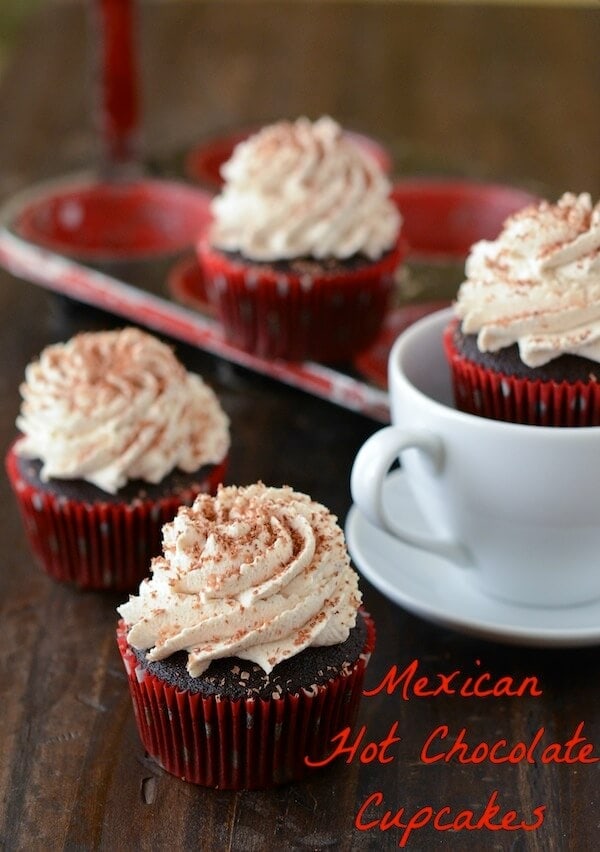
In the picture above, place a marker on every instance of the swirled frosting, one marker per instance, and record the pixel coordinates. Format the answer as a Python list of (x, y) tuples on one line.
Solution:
[(259, 573), (112, 406), (304, 189), (538, 283)]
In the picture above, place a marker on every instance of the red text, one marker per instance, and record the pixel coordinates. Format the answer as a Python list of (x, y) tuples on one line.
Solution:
[(442, 819), (576, 749), (483, 685), (367, 753)]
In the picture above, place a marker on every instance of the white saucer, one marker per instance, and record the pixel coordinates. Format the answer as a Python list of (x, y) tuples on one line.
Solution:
[(436, 590)]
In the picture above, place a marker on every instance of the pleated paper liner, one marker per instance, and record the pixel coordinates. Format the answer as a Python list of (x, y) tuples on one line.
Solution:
[(243, 743), (326, 316), (479, 390), (97, 545)]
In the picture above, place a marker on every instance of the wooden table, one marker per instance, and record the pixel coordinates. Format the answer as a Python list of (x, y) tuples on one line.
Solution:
[(485, 92)]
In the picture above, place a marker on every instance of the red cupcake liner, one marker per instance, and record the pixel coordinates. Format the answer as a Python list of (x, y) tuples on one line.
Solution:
[(479, 390), (97, 545), (275, 314), (246, 743)]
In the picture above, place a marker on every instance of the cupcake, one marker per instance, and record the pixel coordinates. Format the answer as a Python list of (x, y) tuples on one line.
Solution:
[(525, 344), (115, 436), (300, 258), (245, 651)]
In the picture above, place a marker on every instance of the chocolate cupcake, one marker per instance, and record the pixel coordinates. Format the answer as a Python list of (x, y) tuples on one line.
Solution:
[(525, 346), (246, 650), (116, 435), (305, 241)]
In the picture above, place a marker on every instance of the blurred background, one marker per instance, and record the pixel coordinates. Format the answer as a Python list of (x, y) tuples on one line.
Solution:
[(475, 88), (14, 13)]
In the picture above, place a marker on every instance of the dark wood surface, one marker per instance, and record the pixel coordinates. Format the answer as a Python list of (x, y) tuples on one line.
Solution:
[(488, 92)]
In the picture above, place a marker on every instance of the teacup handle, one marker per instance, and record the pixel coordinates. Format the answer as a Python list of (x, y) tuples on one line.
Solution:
[(369, 471)]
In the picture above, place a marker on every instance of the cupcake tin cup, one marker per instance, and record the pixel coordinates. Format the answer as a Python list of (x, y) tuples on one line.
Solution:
[(96, 220), (444, 217)]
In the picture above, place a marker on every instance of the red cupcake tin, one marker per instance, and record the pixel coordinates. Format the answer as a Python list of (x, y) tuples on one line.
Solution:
[(54, 234), (96, 220)]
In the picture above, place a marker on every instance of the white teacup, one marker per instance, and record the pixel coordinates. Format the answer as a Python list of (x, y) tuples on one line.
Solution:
[(518, 507)]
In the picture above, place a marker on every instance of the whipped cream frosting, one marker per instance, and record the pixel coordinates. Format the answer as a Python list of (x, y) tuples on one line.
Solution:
[(112, 406), (303, 189), (257, 572), (538, 283)]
